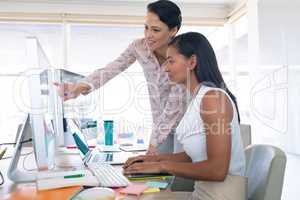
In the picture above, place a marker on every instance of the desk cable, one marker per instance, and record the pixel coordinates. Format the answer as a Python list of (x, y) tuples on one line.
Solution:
[(2, 179), (24, 154), (3, 158), (14, 143), (24, 161)]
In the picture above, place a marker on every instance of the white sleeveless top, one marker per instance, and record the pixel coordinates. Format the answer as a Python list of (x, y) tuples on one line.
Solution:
[(190, 133)]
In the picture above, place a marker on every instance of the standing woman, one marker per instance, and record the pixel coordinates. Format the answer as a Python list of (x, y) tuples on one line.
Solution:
[(168, 102), (209, 131)]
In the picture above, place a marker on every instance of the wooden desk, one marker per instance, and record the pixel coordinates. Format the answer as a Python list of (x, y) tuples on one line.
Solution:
[(27, 191)]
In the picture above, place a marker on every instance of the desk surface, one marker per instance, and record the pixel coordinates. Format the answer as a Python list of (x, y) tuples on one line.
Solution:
[(27, 191)]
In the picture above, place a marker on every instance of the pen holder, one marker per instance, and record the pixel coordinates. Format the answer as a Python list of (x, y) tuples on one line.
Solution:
[(108, 130)]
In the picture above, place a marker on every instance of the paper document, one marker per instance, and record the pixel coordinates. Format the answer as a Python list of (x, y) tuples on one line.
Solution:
[(135, 189), (109, 148), (137, 147)]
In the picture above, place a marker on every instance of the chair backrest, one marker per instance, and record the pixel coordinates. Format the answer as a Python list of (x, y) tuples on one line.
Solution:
[(265, 166), (246, 134)]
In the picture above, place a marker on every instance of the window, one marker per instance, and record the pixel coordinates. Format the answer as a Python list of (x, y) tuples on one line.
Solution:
[(84, 48), (125, 98), (13, 64)]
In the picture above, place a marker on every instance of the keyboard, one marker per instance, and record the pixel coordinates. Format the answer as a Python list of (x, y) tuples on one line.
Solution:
[(107, 175), (103, 157)]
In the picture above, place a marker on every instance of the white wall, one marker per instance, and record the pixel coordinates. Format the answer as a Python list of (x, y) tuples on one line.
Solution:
[(274, 49), (279, 31)]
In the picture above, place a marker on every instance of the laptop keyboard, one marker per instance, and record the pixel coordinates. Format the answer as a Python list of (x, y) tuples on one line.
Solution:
[(107, 157), (107, 175)]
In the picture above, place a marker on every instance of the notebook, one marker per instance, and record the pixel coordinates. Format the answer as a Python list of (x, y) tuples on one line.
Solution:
[(156, 184)]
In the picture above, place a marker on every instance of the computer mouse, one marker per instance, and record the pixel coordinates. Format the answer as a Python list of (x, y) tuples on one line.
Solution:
[(97, 193)]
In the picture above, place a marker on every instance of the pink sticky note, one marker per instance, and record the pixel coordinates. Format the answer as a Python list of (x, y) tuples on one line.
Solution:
[(135, 189)]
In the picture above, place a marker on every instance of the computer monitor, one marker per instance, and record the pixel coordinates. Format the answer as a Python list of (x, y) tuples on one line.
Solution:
[(42, 114), (42, 117), (46, 113), (13, 172), (46, 104), (47, 153), (61, 76)]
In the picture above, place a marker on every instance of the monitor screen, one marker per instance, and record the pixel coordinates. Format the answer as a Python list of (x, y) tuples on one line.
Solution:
[(47, 108), (42, 117), (42, 110)]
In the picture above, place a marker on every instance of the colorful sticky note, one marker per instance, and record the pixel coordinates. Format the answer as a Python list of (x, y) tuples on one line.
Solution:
[(156, 184), (151, 190), (135, 189)]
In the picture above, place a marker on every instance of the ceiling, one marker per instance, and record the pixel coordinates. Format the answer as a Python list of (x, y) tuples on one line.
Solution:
[(204, 2), (213, 2), (195, 12)]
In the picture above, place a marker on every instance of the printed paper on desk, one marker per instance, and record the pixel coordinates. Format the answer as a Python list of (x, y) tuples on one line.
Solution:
[(109, 148), (135, 189), (66, 151)]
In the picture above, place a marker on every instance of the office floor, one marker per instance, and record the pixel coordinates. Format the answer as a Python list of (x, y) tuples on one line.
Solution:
[(292, 178)]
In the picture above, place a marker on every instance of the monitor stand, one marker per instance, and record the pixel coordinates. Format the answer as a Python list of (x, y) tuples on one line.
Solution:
[(13, 173)]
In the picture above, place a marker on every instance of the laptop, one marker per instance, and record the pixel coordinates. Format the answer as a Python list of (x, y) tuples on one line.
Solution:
[(93, 155)]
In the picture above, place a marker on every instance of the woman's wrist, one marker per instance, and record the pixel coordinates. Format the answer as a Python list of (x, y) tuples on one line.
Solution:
[(164, 167), (158, 158), (164, 157)]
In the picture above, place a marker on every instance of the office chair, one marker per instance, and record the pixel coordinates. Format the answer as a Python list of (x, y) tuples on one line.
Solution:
[(245, 130), (265, 167)]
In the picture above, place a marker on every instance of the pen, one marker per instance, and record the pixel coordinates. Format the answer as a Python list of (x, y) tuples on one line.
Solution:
[(2, 152), (74, 176)]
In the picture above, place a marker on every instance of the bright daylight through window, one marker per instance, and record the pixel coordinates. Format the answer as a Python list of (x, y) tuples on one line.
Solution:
[(84, 48)]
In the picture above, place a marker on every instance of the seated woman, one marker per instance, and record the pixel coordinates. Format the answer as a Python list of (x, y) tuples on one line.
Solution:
[(209, 131)]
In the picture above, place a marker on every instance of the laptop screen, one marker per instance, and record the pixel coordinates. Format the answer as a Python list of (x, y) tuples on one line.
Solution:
[(79, 138)]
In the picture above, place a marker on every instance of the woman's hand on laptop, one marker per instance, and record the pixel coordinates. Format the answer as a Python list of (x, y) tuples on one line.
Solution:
[(144, 167), (140, 159)]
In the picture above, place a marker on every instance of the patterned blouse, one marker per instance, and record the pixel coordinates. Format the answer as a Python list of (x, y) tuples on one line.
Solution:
[(168, 100)]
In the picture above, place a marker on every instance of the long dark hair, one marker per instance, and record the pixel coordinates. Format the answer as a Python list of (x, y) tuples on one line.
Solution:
[(167, 11), (207, 70)]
